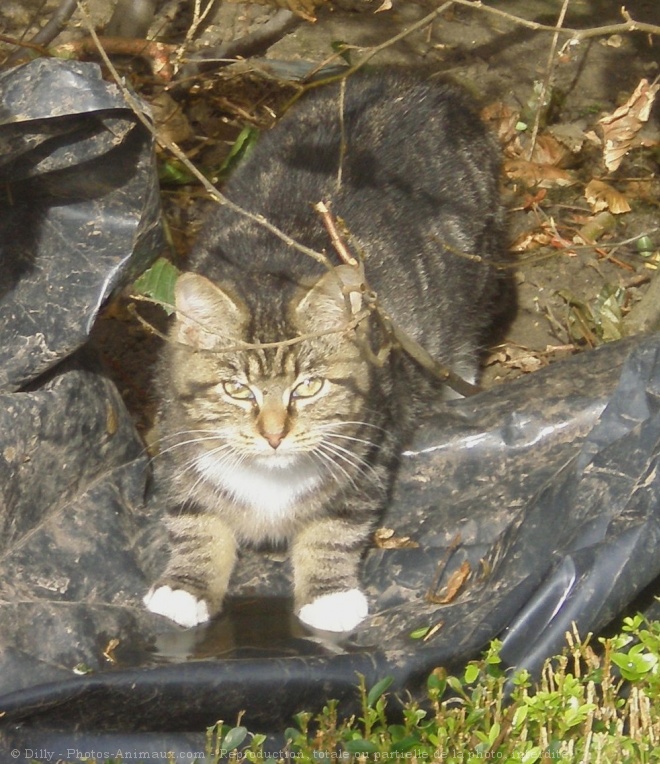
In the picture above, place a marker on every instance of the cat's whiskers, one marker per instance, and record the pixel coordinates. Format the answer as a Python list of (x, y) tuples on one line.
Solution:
[(328, 461), (348, 456), (183, 443), (335, 453), (231, 459), (348, 423)]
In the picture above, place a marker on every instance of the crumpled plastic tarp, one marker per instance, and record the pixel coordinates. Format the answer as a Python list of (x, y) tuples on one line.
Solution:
[(545, 490), (80, 209)]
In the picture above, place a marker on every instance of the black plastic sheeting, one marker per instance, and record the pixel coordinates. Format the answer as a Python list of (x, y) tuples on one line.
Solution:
[(551, 483)]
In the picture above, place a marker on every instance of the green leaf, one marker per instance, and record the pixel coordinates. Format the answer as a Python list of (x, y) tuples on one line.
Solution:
[(291, 734), (471, 673), (360, 745), (239, 150), (405, 745), (377, 690), (519, 716), (158, 283), (420, 633), (174, 172), (234, 738), (437, 682), (634, 665)]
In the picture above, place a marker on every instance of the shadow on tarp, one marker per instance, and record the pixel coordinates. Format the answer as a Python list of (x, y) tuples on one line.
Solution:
[(550, 482)]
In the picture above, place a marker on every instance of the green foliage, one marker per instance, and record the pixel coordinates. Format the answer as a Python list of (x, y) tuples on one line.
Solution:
[(173, 172), (240, 149), (596, 322), (157, 283), (589, 705)]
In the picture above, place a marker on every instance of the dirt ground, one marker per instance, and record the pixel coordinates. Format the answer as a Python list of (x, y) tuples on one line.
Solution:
[(576, 288)]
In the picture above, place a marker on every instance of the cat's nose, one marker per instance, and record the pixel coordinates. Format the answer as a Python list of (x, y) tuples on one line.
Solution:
[(274, 438)]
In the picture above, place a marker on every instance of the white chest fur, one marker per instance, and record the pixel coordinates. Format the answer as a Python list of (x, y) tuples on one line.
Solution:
[(269, 490)]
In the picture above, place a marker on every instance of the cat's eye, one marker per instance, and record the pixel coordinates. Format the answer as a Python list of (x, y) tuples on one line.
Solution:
[(308, 388), (238, 390)]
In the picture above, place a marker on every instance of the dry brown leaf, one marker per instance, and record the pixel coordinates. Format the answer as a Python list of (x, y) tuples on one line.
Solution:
[(571, 135), (456, 581), (621, 126), (530, 240), (643, 188), (171, 123), (533, 174), (525, 360), (601, 196), (384, 538), (549, 151), (502, 119)]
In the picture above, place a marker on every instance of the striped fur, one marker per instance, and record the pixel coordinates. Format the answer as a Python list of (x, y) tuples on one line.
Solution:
[(297, 444)]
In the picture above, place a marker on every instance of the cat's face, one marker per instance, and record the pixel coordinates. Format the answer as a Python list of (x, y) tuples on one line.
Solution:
[(305, 403)]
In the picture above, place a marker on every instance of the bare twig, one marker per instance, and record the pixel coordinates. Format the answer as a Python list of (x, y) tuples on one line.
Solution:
[(345, 328), (337, 242), (156, 54), (342, 132), (16, 55), (409, 345), (165, 143), (199, 16), (456, 542), (47, 33), (56, 24), (545, 85), (628, 25), (251, 44)]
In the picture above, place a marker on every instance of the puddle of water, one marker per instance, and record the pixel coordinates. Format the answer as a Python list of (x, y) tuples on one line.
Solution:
[(249, 628)]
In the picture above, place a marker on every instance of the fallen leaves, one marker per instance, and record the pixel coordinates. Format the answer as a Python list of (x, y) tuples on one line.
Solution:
[(620, 129), (603, 196), (385, 538), (547, 163), (453, 587), (537, 174)]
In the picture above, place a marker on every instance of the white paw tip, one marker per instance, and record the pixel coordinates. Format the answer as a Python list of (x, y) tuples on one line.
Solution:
[(178, 605), (339, 611)]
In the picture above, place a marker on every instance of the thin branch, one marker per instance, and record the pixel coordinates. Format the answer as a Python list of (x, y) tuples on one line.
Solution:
[(545, 86), (56, 24), (46, 34), (349, 326), (337, 242), (198, 18), (409, 345), (156, 54), (629, 25), (15, 56), (164, 142), (255, 42)]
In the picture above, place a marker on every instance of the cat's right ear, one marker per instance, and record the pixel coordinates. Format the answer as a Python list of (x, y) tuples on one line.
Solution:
[(206, 315)]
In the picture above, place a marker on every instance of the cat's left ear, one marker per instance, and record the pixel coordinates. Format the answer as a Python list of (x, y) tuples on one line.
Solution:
[(335, 298), (206, 315)]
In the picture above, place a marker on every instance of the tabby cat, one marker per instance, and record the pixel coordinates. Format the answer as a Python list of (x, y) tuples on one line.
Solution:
[(297, 442)]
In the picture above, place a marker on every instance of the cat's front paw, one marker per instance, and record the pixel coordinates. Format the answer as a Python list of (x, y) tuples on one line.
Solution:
[(339, 611), (178, 605)]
